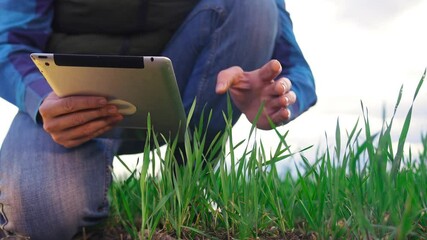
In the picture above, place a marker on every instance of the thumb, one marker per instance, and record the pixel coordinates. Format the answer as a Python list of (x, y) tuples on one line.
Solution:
[(270, 70), (227, 78)]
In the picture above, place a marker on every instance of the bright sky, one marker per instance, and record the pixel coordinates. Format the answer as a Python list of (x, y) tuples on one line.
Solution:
[(359, 50)]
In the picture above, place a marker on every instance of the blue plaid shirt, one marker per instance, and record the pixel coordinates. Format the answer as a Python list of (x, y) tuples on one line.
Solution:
[(25, 27)]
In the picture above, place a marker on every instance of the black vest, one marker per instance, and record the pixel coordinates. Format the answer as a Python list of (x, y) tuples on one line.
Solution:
[(125, 27)]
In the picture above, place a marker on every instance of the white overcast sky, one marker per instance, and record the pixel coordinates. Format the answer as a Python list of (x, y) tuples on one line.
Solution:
[(359, 50)]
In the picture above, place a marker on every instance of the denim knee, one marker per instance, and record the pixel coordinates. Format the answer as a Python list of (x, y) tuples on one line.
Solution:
[(47, 191), (255, 12), (249, 15), (216, 35)]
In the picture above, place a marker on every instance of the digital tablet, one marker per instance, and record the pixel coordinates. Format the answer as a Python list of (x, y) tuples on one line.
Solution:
[(138, 85)]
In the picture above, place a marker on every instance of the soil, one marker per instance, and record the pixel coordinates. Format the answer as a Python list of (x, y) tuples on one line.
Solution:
[(120, 234)]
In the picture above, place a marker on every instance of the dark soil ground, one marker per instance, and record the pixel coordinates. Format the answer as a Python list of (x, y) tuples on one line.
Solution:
[(120, 234)]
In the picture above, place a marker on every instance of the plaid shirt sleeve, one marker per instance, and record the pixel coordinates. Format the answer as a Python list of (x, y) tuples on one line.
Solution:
[(24, 28), (295, 66)]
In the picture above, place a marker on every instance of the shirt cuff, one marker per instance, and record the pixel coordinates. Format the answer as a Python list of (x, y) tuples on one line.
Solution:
[(35, 94)]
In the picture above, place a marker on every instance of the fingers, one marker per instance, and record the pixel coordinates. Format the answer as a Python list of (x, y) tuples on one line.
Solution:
[(276, 106), (278, 117), (59, 106), (279, 93), (67, 121), (227, 78), (80, 134), (74, 120), (282, 101), (233, 77), (270, 71), (281, 116), (283, 85)]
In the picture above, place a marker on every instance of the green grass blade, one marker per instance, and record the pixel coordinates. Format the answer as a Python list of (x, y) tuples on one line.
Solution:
[(338, 140), (404, 133)]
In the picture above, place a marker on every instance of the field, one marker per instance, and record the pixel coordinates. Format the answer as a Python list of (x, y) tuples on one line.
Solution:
[(362, 188)]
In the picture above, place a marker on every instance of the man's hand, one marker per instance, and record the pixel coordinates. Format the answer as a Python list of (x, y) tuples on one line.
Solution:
[(249, 90), (72, 121)]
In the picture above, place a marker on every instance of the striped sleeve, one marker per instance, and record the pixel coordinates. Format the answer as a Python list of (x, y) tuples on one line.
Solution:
[(25, 27)]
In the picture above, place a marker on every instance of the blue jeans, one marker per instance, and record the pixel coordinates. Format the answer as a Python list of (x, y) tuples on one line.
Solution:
[(50, 192)]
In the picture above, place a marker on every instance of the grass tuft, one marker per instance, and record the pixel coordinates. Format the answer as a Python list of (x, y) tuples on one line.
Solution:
[(360, 189)]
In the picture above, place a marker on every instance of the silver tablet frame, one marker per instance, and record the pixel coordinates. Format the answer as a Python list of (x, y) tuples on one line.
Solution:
[(147, 82)]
